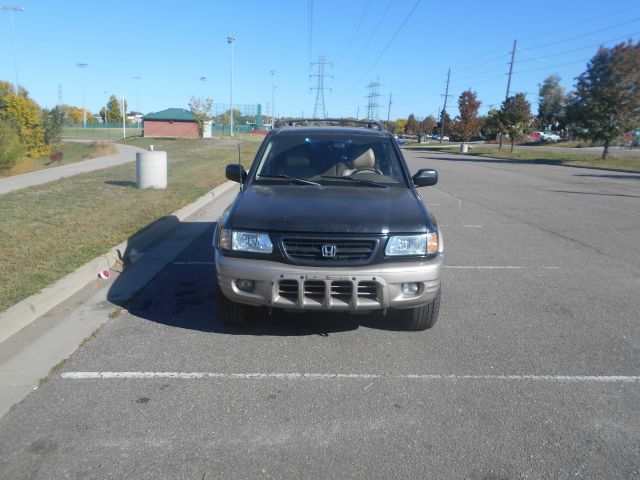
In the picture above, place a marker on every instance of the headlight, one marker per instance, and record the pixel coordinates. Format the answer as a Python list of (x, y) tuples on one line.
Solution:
[(424, 244), (245, 241)]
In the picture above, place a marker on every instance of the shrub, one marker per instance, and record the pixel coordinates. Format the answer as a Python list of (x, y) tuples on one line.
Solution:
[(11, 148)]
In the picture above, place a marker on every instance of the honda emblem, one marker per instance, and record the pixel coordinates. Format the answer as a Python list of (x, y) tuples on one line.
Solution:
[(329, 250)]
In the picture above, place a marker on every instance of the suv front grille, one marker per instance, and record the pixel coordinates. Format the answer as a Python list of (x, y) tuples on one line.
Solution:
[(338, 293), (335, 249)]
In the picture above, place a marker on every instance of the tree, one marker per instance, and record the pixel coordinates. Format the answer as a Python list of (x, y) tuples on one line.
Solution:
[(201, 110), (467, 124), (447, 124), (412, 125), (551, 107), (606, 101), (26, 116), (429, 124), (390, 126), (401, 125), (53, 120), (12, 149), (514, 116), (490, 125), (114, 110)]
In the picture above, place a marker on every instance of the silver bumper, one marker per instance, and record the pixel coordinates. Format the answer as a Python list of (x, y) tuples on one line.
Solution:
[(375, 287)]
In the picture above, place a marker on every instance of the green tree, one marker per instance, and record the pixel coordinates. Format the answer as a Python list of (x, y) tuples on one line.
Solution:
[(114, 110), (467, 124), (490, 125), (514, 117), (606, 101), (401, 125), (551, 106), (53, 120), (447, 124), (12, 149), (201, 110)]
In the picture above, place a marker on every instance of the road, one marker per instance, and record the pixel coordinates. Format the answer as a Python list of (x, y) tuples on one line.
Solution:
[(532, 371)]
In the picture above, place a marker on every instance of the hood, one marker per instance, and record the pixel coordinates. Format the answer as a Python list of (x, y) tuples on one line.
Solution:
[(335, 209)]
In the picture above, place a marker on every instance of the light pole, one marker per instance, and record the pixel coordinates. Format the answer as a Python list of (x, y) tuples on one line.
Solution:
[(202, 79), (11, 9), (273, 99), (136, 78), (230, 40), (82, 66)]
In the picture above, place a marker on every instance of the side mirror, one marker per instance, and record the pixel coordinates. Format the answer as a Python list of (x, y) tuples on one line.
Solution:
[(235, 173), (425, 178)]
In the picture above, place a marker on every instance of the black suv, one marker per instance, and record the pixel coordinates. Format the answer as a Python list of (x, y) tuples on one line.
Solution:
[(328, 218)]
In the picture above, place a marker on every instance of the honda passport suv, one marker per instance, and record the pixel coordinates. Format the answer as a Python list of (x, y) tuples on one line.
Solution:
[(328, 219)]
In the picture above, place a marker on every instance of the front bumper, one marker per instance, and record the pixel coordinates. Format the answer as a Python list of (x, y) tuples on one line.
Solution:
[(371, 287)]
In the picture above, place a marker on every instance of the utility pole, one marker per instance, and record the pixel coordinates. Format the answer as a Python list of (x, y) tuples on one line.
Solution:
[(372, 100), (513, 56), (389, 109), (230, 40), (319, 104), (444, 109), (11, 9), (136, 78)]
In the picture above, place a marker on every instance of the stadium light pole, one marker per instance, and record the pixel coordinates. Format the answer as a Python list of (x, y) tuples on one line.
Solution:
[(82, 66), (136, 78), (273, 100), (11, 9), (230, 40)]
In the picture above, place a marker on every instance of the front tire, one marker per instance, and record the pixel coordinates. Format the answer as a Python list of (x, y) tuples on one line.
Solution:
[(232, 313), (422, 317)]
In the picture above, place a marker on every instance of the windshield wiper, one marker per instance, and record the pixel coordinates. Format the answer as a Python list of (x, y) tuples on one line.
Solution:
[(294, 179), (361, 181)]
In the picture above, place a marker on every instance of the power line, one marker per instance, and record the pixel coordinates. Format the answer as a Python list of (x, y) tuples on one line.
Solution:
[(415, 5), (584, 34), (443, 117), (355, 32), (553, 66)]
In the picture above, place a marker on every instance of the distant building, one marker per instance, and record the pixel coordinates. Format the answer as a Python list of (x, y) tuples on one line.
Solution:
[(172, 122)]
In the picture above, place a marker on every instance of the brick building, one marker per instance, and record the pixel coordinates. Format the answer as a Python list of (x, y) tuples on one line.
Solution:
[(172, 122)]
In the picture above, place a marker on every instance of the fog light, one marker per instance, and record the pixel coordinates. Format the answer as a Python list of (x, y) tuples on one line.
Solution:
[(410, 288), (245, 285)]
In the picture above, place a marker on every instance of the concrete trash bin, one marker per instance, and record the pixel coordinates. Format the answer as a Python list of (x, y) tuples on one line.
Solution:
[(151, 169), (464, 147)]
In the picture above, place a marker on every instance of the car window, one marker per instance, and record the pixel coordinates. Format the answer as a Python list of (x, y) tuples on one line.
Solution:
[(321, 156)]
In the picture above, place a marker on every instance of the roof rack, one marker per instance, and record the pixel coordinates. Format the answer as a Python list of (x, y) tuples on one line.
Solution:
[(307, 122)]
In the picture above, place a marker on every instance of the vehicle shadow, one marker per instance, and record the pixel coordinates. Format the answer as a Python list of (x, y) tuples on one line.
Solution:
[(183, 293)]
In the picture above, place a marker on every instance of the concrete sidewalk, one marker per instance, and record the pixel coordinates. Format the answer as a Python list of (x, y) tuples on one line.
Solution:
[(126, 154)]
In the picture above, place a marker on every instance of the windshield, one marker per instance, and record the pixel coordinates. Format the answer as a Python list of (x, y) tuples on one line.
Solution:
[(330, 158)]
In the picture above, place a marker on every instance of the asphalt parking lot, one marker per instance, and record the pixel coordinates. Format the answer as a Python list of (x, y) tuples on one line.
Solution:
[(532, 371)]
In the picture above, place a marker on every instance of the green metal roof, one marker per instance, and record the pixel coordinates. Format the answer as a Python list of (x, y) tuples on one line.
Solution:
[(174, 114)]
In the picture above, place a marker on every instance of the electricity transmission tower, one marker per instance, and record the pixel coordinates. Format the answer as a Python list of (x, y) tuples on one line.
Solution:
[(372, 100), (319, 106)]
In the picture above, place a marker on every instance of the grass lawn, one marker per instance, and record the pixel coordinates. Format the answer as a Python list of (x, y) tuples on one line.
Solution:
[(72, 152), (577, 157), (47, 231), (100, 133)]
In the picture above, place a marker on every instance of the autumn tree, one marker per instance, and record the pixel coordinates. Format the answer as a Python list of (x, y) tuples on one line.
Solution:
[(12, 149), (201, 111), (401, 125), (467, 124), (114, 110), (551, 106), (606, 101), (514, 116), (26, 115), (412, 125), (429, 124)]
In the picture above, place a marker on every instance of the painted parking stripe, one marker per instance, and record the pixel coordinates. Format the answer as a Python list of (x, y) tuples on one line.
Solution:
[(353, 376)]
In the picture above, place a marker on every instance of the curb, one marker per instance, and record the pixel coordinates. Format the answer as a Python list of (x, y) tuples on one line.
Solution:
[(26, 311)]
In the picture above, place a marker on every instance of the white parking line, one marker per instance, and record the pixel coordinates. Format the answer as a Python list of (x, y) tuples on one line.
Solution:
[(354, 376)]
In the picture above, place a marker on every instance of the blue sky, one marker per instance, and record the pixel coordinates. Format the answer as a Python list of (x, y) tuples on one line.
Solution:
[(405, 45)]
